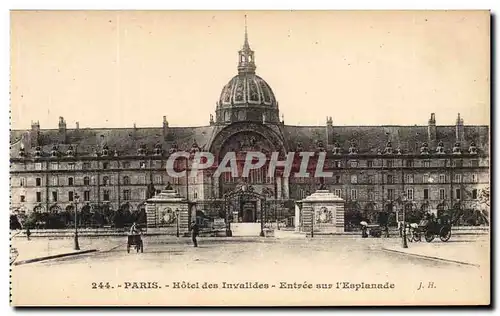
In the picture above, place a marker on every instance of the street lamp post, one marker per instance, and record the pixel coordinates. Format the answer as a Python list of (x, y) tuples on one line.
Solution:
[(405, 242), (77, 199), (177, 221)]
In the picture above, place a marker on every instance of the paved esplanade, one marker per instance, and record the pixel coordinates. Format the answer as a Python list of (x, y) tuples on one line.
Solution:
[(266, 271)]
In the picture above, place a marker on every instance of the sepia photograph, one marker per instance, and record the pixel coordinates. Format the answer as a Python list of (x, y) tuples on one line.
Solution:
[(250, 158)]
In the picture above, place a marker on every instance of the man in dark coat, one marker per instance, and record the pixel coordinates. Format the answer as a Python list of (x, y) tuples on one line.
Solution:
[(195, 230)]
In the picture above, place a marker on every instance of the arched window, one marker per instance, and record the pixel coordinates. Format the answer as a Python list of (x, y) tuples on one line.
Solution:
[(126, 180), (105, 181), (86, 181)]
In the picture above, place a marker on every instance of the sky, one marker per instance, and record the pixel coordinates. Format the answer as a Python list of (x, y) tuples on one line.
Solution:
[(120, 68)]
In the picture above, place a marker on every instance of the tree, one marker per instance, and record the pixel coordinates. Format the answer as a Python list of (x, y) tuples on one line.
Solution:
[(14, 222), (484, 197)]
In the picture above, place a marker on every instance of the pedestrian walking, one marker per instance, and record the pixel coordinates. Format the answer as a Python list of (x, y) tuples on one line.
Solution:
[(28, 233), (195, 230)]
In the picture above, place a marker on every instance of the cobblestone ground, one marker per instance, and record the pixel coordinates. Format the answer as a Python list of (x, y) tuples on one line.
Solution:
[(325, 262)]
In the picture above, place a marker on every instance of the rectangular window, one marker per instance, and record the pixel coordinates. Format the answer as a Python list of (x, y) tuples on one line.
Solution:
[(71, 166), (354, 194), (38, 166), (86, 196), (54, 166), (337, 164), (426, 194), (409, 194), (22, 182), (354, 178), (55, 181), (105, 165), (409, 178), (70, 196), (442, 178), (159, 179), (23, 198), (54, 196), (457, 193), (425, 178), (369, 164), (389, 163), (70, 181), (390, 194), (474, 163), (409, 163), (125, 165), (338, 192), (474, 178), (86, 165), (337, 179), (474, 194), (126, 195), (371, 195), (390, 179), (106, 195), (442, 194), (143, 165), (38, 182), (427, 163), (458, 178), (371, 179), (39, 196), (353, 164), (457, 163)]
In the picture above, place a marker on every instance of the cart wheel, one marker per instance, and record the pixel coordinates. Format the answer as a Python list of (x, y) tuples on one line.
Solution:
[(417, 236), (429, 236), (445, 234), (128, 248)]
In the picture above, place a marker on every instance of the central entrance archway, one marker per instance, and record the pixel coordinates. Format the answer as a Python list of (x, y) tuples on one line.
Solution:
[(245, 211)]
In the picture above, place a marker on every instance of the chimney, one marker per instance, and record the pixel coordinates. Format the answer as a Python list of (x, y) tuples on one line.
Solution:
[(459, 129), (62, 130), (431, 131), (77, 126), (165, 128), (329, 131), (35, 133)]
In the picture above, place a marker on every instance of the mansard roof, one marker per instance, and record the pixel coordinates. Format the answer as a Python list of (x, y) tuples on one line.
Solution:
[(367, 139)]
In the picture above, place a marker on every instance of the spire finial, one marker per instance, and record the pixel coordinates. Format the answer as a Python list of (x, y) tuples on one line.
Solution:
[(246, 61)]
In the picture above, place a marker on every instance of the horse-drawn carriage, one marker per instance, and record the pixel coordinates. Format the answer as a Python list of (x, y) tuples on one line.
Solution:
[(136, 241), (430, 228)]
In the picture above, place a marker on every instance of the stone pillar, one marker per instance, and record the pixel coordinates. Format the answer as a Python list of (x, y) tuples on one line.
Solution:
[(297, 217), (278, 187), (286, 192), (339, 218)]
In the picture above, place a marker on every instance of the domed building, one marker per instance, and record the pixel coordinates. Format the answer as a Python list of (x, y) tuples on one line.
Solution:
[(376, 169)]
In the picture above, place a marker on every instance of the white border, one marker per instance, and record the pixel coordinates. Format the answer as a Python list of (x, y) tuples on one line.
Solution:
[(191, 5)]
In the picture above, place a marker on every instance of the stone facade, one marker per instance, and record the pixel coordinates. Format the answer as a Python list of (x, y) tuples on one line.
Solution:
[(437, 167)]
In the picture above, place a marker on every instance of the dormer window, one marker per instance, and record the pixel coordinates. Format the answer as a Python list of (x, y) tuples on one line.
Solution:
[(319, 146), (456, 149), (38, 152), (158, 151), (21, 152), (424, 149), (388, 149), (195, 148), (115, 153), (70, 152), (142, 150), (440, 148), (353, 149), (54, 152), (473, 149), (299, 147), (105, 150), (398, 151), (336, 149)]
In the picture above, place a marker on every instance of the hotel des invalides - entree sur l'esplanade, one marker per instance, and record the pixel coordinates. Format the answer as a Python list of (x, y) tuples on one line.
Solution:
[(375, 169)]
